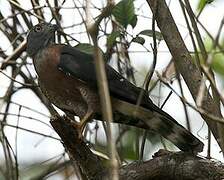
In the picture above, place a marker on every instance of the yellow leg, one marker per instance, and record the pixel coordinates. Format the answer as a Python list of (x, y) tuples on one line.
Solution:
[(82, 124), (85, 120)]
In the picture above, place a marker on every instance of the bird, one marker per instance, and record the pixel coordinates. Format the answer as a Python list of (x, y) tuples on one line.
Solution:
[(67, 77)]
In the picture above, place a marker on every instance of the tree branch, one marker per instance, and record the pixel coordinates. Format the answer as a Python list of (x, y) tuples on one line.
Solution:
[(90, 164), (173, 166)]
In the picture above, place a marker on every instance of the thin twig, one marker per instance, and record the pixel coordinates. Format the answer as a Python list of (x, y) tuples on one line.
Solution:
[(103, 86)]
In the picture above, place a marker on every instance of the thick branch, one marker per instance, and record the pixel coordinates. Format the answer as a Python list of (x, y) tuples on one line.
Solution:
[(173, 166), (90, 164)]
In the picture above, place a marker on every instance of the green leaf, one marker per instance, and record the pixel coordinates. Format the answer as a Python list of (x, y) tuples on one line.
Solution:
[(149, 33), (218, 63), (124, 13), (203, 3), (134, 21), (139, 40), (111, 39), (217, 58)]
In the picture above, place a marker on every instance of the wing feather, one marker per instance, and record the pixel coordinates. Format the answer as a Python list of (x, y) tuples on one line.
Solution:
[(81, 65)]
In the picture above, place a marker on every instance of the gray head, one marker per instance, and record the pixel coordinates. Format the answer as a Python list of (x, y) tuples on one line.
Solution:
[(39, 37)]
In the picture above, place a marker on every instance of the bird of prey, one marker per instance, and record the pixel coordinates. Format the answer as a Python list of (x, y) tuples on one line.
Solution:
[(68, 79)]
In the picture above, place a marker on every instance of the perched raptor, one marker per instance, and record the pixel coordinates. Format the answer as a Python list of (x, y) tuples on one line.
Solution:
[(67, 77)]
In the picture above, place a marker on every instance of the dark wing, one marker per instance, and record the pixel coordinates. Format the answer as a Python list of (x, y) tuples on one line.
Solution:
[(81, 65)]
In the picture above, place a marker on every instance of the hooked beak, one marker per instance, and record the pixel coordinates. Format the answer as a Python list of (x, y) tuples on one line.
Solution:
[(54, 27)]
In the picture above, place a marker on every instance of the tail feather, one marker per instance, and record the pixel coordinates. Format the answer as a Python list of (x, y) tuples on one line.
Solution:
[(159, 121), (176, 133)]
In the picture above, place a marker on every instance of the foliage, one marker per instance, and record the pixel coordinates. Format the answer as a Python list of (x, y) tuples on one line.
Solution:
[(124, 13), (203, 3)]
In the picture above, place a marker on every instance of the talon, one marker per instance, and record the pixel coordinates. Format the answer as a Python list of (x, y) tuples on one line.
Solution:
[(82, 124), (79, 128)]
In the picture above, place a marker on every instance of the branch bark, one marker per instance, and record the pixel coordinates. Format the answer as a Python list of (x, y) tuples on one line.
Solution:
[(90, 164), (173, 166)]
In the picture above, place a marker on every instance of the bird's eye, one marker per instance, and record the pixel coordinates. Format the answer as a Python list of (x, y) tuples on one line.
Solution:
[(37, 28)]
